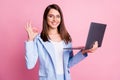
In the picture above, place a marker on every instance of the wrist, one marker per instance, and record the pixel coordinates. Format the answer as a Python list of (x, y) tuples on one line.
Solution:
[(83, 51), (29, 39)]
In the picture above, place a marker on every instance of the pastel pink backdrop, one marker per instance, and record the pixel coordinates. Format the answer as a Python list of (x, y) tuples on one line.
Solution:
[(104, 64)]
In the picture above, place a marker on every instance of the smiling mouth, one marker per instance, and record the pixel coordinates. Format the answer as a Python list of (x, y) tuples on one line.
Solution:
[(54, 23)]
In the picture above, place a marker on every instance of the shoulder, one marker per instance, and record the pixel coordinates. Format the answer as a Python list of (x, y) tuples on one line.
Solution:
[(68, 45), (38, 38)]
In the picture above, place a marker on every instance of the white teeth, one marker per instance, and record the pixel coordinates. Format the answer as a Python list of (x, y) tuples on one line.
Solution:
[(54, 23)]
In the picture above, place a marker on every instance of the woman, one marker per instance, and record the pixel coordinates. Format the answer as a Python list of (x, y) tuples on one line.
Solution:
[(49, 47)]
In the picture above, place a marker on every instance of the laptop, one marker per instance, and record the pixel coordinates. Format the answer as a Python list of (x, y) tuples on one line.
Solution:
[(96, 33)]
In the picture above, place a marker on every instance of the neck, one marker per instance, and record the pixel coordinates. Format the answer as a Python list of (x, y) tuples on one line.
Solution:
[(53, 31)]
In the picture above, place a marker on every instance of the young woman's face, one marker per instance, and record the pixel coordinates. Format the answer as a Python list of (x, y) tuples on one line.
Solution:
[(53, 19)]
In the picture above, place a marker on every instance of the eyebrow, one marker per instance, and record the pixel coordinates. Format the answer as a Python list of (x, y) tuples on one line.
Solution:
[(52, 14)]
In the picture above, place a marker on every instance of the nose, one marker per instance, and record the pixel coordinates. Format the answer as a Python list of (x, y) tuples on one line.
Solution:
[(54, 18)]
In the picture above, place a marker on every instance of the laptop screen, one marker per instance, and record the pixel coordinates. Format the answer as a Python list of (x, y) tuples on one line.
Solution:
[(96, 33)]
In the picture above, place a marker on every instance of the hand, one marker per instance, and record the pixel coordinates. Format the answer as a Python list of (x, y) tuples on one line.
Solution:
[(93, 49), (32, 31)]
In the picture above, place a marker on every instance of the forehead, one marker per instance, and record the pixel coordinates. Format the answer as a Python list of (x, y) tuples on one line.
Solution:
[(54, 11)]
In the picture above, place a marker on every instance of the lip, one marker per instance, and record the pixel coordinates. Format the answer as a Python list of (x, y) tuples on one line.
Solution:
[(54, 23)]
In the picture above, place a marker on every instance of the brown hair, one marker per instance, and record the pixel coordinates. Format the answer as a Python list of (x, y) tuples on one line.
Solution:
[(61, 28)]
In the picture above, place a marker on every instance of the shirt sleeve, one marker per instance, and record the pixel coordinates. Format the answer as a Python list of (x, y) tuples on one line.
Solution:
[(31, 55), (74, 59)]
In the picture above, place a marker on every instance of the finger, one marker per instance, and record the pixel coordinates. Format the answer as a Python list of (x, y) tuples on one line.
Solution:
[(35, 29), (96, 43), (95, 46), (89, 50), (30, 24), (26, 26)]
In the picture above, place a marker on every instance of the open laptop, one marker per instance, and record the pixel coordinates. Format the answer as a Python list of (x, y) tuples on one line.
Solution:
[(96, 33)]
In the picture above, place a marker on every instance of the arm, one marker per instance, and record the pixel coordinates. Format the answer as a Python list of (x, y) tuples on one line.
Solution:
[(31, 54), (74, 59), (30, 46)]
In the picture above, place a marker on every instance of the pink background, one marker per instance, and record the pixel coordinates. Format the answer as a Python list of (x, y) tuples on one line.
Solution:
[(104, 64)]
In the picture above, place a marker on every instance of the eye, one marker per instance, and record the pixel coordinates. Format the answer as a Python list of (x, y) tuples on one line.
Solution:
[(58, 16), (50, 15)]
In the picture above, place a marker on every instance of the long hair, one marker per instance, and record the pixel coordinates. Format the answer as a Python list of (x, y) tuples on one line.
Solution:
[(61, 28)]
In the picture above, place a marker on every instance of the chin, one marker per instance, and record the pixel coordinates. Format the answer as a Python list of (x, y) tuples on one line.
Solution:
[(54, 26)]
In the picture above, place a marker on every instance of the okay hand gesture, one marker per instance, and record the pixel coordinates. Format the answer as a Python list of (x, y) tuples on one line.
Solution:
[(32, 31)]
